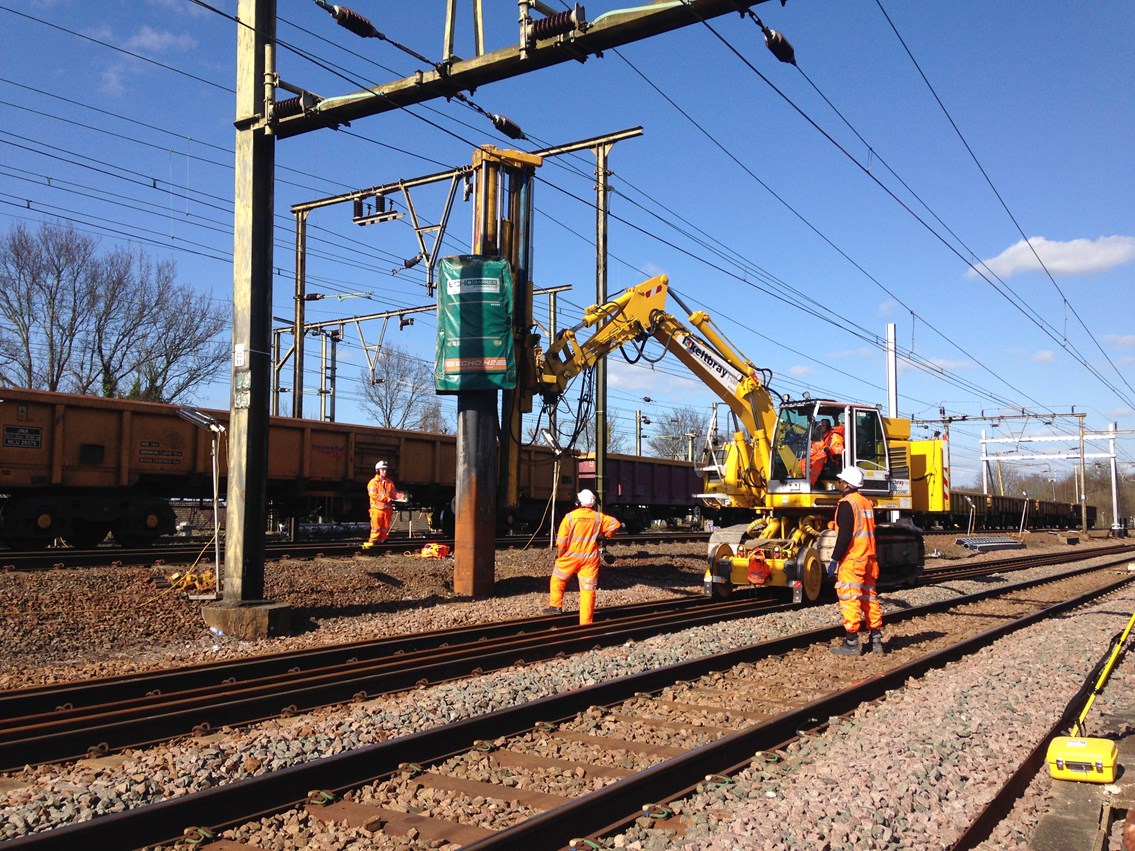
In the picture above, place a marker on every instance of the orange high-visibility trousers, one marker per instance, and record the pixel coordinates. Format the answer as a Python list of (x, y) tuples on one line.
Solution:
[(858, 600), (588, 585), (380, 520)]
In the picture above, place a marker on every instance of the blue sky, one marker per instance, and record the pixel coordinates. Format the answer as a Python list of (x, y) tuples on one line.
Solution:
[(801, 235)]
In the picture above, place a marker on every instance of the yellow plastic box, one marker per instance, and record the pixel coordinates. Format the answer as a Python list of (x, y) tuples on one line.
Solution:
[(1087, 760)]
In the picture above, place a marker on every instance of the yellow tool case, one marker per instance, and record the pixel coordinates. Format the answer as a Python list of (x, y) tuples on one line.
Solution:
[(1087, 760)]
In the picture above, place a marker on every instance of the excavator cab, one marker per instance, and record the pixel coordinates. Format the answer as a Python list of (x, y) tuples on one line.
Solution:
[(813, 443)]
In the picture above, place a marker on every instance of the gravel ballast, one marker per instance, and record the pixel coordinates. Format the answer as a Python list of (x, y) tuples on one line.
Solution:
[(916, 760)]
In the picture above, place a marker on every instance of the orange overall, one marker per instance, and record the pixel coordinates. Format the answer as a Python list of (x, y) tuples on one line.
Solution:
[(577, 545), (381, 492), (859, 568), (834, 442), (817, 458)]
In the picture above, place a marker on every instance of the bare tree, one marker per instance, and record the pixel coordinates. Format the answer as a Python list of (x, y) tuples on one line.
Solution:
[(124, 313), (682, 429), (401, 393), (431, 419), (617, 440), (46, 291), (118, 325)]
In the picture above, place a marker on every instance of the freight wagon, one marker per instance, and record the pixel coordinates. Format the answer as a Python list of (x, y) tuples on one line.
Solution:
[(997, 512), (80, 467), (644, 491)]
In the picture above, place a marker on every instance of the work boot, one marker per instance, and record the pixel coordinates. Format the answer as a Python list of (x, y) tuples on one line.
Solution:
[(877, 642), (849, 647), (552, 610)]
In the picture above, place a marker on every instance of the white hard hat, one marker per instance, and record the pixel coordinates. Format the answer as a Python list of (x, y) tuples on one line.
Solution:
[(381, 465), (853, 476), (586, 498)]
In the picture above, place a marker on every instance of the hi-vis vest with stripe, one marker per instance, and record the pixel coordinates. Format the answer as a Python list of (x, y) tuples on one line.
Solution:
[(381, 492), (862, 547), (577, 541)]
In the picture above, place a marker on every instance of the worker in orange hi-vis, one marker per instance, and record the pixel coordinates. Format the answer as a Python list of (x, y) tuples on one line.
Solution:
[(382, 494), (835, 440), (577, 546), (855, 566)]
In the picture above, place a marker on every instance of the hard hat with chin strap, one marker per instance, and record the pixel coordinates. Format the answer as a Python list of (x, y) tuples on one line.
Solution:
[(586, 498), (853, 476)]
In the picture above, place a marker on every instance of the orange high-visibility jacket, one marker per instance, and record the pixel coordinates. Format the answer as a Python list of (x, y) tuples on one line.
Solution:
[(578, 540), (859, 546), (834, 442), (381, 492)]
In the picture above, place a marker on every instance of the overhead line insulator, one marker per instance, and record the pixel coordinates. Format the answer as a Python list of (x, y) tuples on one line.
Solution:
[(557, 24), (351, 20)]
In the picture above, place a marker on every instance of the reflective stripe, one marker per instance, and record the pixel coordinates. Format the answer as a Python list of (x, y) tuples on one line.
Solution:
[(381, 492), (578, 539), (867, 594)]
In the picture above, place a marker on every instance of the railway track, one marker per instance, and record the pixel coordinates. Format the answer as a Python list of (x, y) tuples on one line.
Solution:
[(96, 717), (181, 553), (547, 765), (947, 572)]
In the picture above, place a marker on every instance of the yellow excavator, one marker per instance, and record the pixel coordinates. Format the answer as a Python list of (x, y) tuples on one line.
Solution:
[(769, 491)]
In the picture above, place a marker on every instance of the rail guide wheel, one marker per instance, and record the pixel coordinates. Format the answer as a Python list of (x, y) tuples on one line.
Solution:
[(721, 590), (811, 575)]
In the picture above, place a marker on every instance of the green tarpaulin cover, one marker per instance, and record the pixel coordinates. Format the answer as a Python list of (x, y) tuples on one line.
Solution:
[(474, 325)]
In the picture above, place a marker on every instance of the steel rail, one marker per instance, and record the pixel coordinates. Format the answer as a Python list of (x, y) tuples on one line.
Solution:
[(96, 730), (89, 719), (180, 552), (589, 816), (92, 692), (245, 800)]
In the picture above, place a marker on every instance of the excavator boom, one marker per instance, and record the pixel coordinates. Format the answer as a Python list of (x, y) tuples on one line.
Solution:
[(640, 312), (774, 473)]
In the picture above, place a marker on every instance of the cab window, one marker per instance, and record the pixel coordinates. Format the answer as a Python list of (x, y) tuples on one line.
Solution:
[(870, 442), (790, 445)]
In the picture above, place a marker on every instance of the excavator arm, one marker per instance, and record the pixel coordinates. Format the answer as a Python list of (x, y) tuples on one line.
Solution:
[(640, 312), (619, 321)]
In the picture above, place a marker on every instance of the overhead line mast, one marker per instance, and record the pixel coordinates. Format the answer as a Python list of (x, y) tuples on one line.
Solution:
[(260, 120)]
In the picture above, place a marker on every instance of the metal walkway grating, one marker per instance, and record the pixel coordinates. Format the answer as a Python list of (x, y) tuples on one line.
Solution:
[(989, 543)]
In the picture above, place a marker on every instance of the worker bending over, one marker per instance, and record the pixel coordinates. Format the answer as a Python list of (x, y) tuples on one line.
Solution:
[(382, 493), (577, 547), (855, 566)]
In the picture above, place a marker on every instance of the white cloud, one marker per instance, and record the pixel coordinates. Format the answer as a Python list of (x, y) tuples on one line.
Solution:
[(1044, 356), (153, 41), (801, 371), (1122, 340), (1074, 257), (113, 80)]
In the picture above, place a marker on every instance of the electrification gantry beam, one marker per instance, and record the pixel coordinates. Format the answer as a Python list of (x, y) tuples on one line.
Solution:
[(610, 30)]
